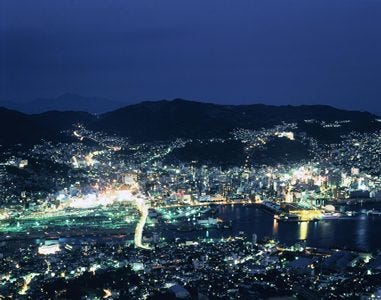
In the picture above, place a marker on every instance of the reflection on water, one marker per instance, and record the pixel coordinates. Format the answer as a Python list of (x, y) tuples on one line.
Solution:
[(275, 227), (361, 232), (303, 230)]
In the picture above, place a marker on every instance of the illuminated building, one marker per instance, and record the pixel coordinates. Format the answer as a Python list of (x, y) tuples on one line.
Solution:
[(23, 163), (49, 249)]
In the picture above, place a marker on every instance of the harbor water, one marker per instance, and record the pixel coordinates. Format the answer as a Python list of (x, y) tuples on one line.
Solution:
[(358, 232)]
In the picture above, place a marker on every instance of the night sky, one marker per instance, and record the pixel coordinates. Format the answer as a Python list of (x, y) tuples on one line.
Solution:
[(238, 51)]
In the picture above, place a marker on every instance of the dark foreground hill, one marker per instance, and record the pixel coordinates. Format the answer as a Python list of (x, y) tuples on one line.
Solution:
[(163, 120)]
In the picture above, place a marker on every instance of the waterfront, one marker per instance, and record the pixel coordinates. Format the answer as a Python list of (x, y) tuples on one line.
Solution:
[(97, 253), (358, 232)]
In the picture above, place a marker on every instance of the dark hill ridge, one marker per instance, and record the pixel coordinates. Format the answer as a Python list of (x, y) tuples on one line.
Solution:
[(60, 120), (180, 118), (16, 127), (65, 102), (162, 120), (168, 119)]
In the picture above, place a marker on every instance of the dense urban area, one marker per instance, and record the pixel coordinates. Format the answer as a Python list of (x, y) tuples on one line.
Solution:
[(105, 217)]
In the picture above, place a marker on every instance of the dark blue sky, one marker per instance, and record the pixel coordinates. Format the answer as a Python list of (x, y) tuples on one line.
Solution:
[(238, 51)]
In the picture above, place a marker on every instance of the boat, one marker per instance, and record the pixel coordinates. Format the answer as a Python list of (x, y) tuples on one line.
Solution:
[(331, 216), (350, 213), (374, 213)]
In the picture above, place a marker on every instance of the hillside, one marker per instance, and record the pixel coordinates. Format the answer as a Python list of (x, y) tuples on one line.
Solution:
[(164, 120), (16, 127)]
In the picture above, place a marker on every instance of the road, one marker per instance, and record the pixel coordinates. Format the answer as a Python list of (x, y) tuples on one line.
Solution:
[(143, 209)]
